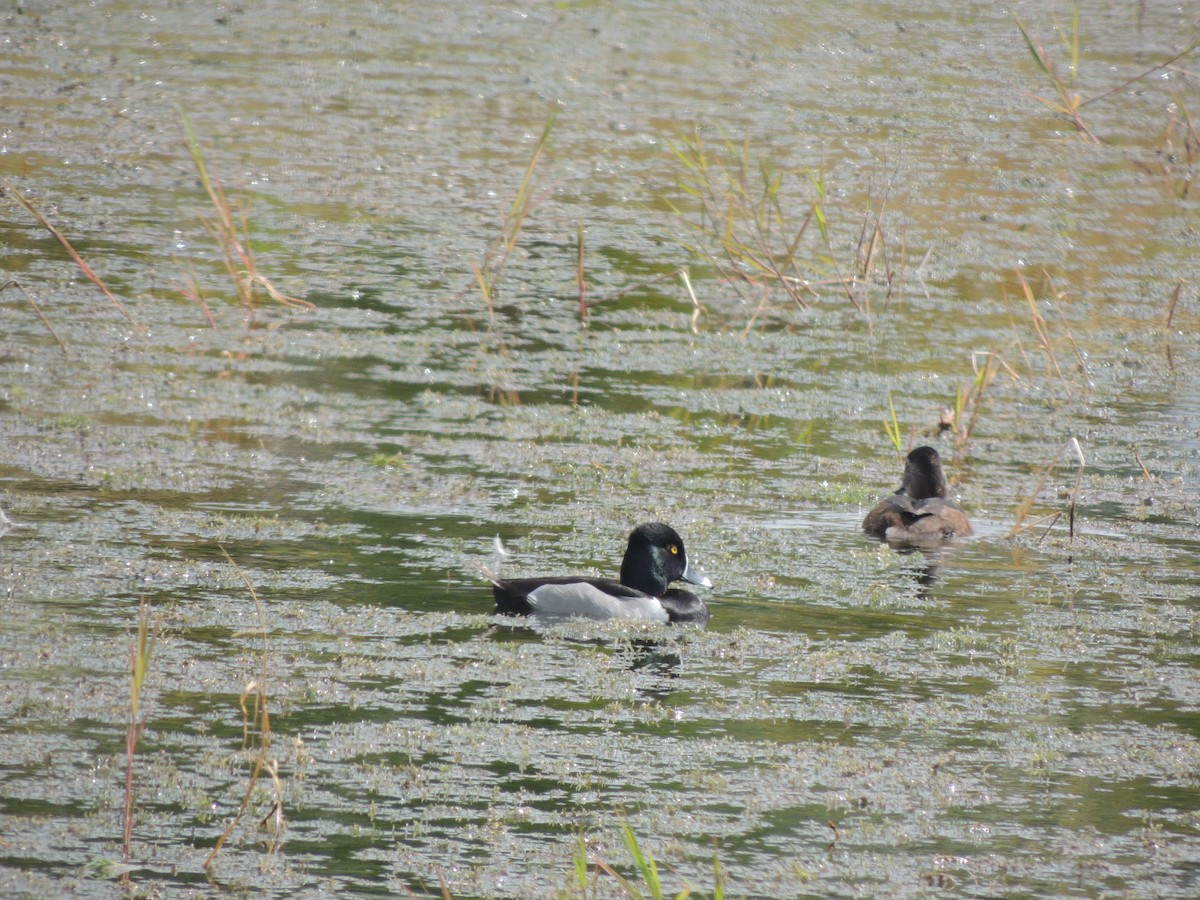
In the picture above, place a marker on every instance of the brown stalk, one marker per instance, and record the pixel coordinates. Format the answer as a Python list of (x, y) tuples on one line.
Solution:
[(580, 280), (191, 291), (1039, 325), (262, 720), (1162, 65), (1174, 302), (66, 245), (234, 242), (1027, 504), (1069, 102), (1141, 465), (37, 309), (139, 664)]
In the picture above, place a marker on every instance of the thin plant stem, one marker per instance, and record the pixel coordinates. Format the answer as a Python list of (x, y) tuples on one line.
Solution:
[(233, 240), (139, 665), (66, 245), (37, 309), (257, 689), (580, 280)]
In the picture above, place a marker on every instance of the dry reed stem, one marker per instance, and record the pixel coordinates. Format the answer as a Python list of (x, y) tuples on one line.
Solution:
[(191, 291), (696, 308), (37, 309), (580, 280), (66, 245), (1154, 68), (234, 242), (1069, 103), (1146, 476), (495, 258), (139, 664), (1027, 504), (1170, 307), (1039, 325), (741, 224), (258, 689)]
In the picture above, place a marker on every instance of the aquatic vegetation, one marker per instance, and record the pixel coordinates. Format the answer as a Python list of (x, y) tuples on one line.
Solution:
[(1069, 103), (891, 427), (139, 659), (858, 722), (968, 401), (256, 720), (586, 880), (1046, 344), (1179, 154), (232, 234), (490, 270), (1072, 496), (872, 252), (71, 251), (742, 222), (12, 282)]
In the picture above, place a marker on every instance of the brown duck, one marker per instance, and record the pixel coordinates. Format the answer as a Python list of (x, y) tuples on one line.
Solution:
[(920, 511)]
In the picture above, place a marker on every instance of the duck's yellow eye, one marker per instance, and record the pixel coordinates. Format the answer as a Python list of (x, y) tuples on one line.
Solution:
[(674, 550)]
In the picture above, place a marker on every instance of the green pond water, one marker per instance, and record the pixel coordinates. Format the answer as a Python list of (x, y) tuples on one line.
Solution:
[(1015, 715)]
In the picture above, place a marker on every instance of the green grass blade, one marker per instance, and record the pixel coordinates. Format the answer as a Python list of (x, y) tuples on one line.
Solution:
[(1035, 49), (645, 862), (581, 863)]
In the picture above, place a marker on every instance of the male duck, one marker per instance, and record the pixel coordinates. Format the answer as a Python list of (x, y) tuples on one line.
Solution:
[(920, 511), (654, 558)]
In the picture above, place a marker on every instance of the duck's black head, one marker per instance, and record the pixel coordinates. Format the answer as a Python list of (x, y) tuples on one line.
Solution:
[(654, 558), (923, 476)]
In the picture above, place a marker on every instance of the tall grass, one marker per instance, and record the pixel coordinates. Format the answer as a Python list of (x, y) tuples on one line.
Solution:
[(71, 252), (1067, 102), (1027, 504), (231, 230), (743, 221), (490, 269), (256, 726), (139, 665)]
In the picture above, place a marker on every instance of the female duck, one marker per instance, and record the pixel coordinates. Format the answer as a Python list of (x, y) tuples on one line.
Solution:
[(920, 511), (654, 558)]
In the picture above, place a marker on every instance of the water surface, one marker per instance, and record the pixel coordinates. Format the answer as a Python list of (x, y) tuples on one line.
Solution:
[(1017, 715)]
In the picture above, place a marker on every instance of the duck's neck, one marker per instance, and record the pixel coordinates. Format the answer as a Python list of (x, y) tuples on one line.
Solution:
[(924, 480)]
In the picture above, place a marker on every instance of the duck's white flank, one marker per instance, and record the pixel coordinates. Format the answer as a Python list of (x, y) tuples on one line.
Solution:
[(588, 601)]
